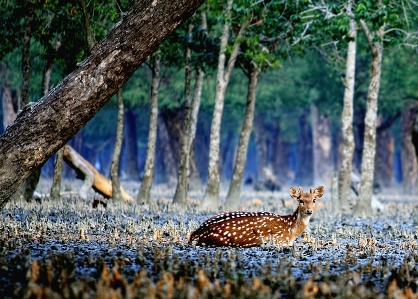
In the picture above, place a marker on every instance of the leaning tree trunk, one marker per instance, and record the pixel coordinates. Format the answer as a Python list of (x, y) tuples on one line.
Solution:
[(347, 122), (45, 126), (184, 165), (363, 207), (211, 197), (144, 194), (408, 157), (233, 197), (116, 193)]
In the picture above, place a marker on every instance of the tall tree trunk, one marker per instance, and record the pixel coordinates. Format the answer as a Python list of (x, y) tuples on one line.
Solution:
[(363, 207), (347, 122), (24, 190), (26, 51), (197, 95), (323, 165), (233, 197), (33, 180), (184, 155), (8, 110), (56, 184), (116, 192), (87, 28), (131, 147), (144, 194), (42, 128), (408, 157), (211, 197)]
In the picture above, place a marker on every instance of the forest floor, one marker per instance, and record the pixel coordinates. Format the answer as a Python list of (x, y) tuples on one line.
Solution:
[(67, 249)]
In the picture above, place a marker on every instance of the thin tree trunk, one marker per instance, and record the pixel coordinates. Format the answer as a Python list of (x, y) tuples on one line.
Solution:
[(323, 165), (56, 185), (347, 122), (408, 157), (200, 75), (116, 192), (26, 52), (363, 207), (22, 191), (144, 194), (184, 165), (89, 35), (211, 197), (233, 197)]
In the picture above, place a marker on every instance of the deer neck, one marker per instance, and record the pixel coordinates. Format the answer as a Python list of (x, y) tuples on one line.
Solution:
[(302, 221)]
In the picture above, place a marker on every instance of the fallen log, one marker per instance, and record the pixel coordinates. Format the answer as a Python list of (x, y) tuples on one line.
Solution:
[(91, 177)]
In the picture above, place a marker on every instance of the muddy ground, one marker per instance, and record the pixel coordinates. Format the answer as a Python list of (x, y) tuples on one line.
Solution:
[(67, 249)]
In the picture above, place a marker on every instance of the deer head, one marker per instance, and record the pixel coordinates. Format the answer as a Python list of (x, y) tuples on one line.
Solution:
[(306, 200)]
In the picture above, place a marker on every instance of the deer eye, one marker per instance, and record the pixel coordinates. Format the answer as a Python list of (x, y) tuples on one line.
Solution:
[(301, 201), (314, 200)]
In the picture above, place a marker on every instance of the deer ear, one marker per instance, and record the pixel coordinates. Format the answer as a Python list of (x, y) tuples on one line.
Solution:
[(319, 192), (294, 193)]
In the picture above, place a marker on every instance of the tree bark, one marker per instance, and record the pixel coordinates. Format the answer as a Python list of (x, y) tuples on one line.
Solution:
[(232, 201), (323, 165), (211, 197), (144, 194), (44, 127), (184, 155), (116, 192), (363, 207), (347, 122), (408, 157)]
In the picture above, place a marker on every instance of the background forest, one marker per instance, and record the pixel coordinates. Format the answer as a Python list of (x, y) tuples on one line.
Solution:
[(291, 56)]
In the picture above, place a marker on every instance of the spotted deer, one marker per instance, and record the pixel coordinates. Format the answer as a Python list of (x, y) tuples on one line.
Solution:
[(248, 229)]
